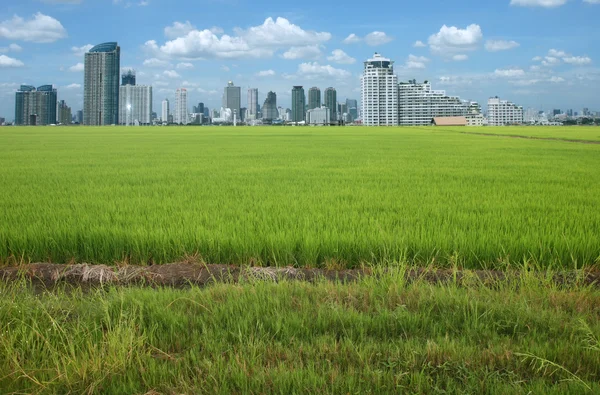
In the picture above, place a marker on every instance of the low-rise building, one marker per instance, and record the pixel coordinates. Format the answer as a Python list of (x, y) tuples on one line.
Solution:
[(318, 116), (504, 112)]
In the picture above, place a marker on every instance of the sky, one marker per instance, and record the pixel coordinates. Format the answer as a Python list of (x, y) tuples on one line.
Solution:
[(542, 54)]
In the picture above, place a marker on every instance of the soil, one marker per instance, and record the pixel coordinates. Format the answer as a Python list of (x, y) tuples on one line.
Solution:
[(181, 275)]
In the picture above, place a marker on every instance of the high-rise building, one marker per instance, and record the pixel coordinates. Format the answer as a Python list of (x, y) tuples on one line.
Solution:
[(418, 104), (181, 107), (314, 98), (503, 112), (232, 99), (352, 106), (318, 116), (80, 117), (298, 104), (64, 113), (135, 105), (128, 77), (36, 106), (101, 85), (164, 115), (379, 92), (331, 103), (269, 108), (252, 103)]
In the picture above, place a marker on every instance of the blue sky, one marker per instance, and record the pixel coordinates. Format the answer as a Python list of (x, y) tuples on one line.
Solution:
[(537, 53)]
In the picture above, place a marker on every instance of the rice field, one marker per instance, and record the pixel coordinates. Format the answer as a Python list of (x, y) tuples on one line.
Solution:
[(316, 197), (585, 133)]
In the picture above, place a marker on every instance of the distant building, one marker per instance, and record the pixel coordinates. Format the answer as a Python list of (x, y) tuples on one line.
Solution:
[(243, 113), (330, 101), (2, 121), (298, 104), (64, 113), (80, 117), (449, 121), (36, 106), (269, 108), (503, 112), (379, 92), (232, 99), (314, 98), (318, 116), (128, 77), (164, 115), (135, 105), (252, 103), (181, 107), (352, 106), (101, 85)]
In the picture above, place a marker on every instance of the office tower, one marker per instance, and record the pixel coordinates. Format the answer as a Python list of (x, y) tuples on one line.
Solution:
[(199, 109), (314, 98), (379, 92), (128, 77), (135, 105), (164, 115), (206, 112), (352, 106), (101, 85), (64, 113), (298, 104), (503, 112), (80, 117), (253, 102), (35, 106), (331, 103), (269, 108), (181, 107), (232, 99), (243, 112), (2, 121)]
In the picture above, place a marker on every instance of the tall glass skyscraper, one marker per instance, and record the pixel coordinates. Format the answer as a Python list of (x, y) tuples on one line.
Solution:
[(35, 106), (269, 108), (128, 77), (252, 103), (101, 85), (314, 98), (331, 103), (298, 104)]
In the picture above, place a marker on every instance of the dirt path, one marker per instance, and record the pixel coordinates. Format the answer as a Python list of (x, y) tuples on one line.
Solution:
[(185, 274), (533, 137)]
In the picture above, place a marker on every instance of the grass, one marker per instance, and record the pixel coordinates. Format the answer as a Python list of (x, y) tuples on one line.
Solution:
[(585, 133), (297, 196), (380, 335)]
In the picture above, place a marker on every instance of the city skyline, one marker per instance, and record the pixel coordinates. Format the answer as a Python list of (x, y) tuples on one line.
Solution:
[(464, 48)]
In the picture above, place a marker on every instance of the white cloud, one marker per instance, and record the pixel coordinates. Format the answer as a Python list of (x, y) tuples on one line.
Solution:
[(73, 86), (351, 39), (419, 44), (556, 53), (509, 73), (80, 51), (265, 73), (500, 45), (377, 38), (577, 60), (460, 57), (11, 48), (452, 40), (225, 68), (341, 57), (154, 62), (556, 79), (40, 29), (306, 52), (537, 59), (315, 70), (179, 29), (416, 62), (143, 3), (184, 66), (281, 33), (171, 74), (550, 61), (6, 61), (538, 3), (77, 68)]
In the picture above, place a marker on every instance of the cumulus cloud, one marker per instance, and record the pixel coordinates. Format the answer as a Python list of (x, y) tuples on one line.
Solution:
[(11, 48), (351, 39), (171, 74), (306, 52), (6, 61), (416, 62), (509, 73), (555, 57), (555, 79), (419, 44), (79, 67), (179, 29), (39, 29), (73, 86), (577, 60), (451, 40), (315, 70), (373, 39), (184, 66), (341, 57), (265, 73), (460, 57), (154, 62), (538, 3), (80, 51), (500, 45)]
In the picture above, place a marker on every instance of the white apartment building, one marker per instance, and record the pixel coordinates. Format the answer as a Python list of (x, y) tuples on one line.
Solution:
[(503, 112), (418, 104), (135, 105), (379, 92), (165, 111), (318, 116), (181, 107)]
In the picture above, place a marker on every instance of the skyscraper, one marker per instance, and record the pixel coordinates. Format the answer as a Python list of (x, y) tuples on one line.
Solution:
[(352, 106), (331, 103), (252, 102), (101, 85), (135, 104), (80, 117), (379, 92), (64, 113), (35, 106), (298, 104), (128, 77), (314, 98), (232, 98), (269, 108), (164, 115), (181, 107)]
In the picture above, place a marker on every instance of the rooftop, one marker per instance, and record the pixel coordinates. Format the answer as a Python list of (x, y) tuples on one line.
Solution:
[(105, 47)]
